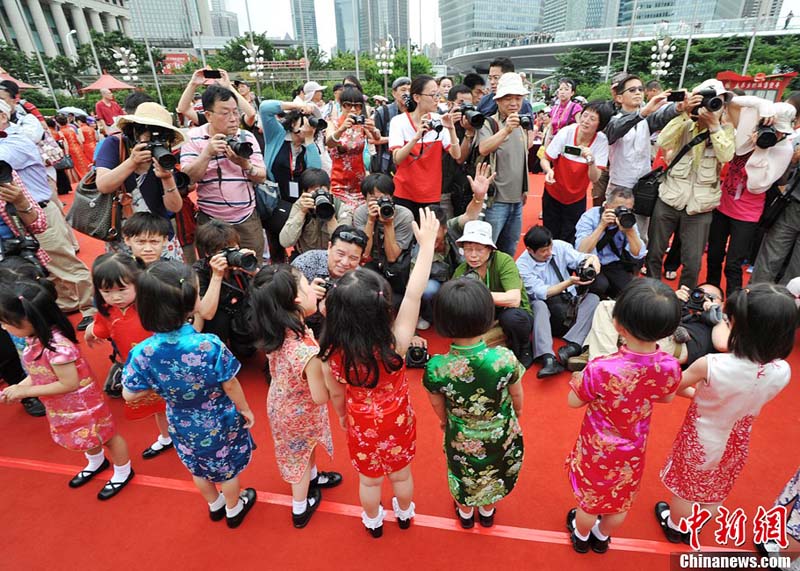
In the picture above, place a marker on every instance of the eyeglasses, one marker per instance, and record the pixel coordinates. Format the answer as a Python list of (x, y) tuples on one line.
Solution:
[(352, 238), (634, 89), (227, 113), (434, 95)]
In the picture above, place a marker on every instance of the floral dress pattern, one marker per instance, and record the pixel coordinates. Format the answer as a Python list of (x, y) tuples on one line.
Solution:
[(79, 161), (791, 495), (187, 370), (483, 438), (606, 465), (711, 448), (348, 166), (381, 426), (81, 419), (297, 424)]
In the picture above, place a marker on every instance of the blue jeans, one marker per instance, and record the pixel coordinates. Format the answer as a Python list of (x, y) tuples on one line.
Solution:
[(506, 221), (426, 308)]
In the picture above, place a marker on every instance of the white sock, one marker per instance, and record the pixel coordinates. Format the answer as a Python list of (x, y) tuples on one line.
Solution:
[(314, 471), (234, 511), (375, 522), (217, 504), (164, 440), (121, 473), (95, 460), (299, 507), (402, 514), (485, 513), (466, 515), (581, 537), (671, 524), (597, 533)]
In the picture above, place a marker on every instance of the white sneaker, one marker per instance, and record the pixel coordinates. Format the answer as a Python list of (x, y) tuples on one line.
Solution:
[(422, 325)]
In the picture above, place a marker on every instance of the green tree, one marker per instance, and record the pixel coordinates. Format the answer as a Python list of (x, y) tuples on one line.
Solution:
[(232, 58), (15, 62), (106, 43), (583, 66)]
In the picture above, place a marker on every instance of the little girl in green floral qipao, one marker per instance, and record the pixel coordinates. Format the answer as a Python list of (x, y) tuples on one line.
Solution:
[(476, 393)]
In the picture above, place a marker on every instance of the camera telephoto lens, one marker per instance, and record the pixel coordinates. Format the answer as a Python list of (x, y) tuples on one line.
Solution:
[(317, 123), (475, 117), (625, 216), (766, 137), (435, 124), (238, 259), (240, 148), (323, 205), (587, 273), (166, 160), (386, 207), (526, 122)]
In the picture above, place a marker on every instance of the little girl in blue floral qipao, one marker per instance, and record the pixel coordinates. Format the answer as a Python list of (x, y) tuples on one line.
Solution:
[(476, 393), (196, 375)]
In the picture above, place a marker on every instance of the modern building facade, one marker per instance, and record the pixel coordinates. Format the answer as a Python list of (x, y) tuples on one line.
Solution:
[(223, 22), (656, 11), (57, 27), (376, 21), (171, 23), (469, 22), (304, 19), (762, 9), (561, 15)]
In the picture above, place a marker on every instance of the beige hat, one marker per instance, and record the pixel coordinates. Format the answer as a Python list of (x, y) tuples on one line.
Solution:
[(152, 113), (784, 117), (510, 84), (477, 232), (718, 88)]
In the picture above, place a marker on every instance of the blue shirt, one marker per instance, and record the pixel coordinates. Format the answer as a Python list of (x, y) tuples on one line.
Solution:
[(23, 155), (5, 231), (589, 222), (539, 276), (275, 135), (488, 106)]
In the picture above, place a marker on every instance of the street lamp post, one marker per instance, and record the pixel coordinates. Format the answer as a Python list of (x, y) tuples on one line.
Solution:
[(661, 56), (384, 54), (254, 57), (127, 63), (72, 46)]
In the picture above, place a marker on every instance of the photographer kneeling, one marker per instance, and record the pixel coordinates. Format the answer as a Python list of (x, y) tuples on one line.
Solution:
[(558, 308), (314, 216), (610, 233), (141, 162)]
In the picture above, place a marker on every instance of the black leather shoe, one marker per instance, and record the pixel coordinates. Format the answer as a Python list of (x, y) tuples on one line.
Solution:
[(216, 515), (466, 523), (152, 452), (301, 520), (111, 489), (672, 535), (486, 520), (578, 544), (550, 367), (598, 545), (248, 496), (33, 406), (86, 475), (84, 323), (567, 351), (333, 480), (377, 532)]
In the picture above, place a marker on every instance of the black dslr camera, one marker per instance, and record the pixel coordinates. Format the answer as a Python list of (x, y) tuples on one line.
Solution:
[(417, 357), (586, 272), (160, 145), (526, 121), (475, 117), (435, 124), (696, 299), (386, 207), (323, 204), (5, 173), (317, 123), (327, 284), (24, 247), (625, 216), (240, 146), (238, 259), (711, 101), (766, 136)]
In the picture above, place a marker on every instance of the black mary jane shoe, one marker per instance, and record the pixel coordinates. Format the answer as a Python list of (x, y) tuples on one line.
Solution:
[(578, 544), (377, 532), (217, 515), (248, 496), (466, 522), (333, 479), (111, 489), (672, 535), (151, 452), (85, 476), (84, 323), (486, 520), (301, 520)]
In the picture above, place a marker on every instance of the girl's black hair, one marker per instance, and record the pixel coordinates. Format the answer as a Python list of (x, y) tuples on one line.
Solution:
[(568, 81), (314, 177), (354, 80), (113, 270), (417, 87), (166, 292), (463, 308), (289, 119), (15, 268), (26, 300), (359, 327), (648, 309), (763, 322), (351, 94), (603, 109), (273, 294)]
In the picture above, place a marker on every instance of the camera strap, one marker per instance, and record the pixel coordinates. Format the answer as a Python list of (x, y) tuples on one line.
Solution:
[(19, 226), (686, 148)]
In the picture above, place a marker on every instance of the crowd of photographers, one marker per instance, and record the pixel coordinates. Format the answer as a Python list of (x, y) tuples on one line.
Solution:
[(330, 185)]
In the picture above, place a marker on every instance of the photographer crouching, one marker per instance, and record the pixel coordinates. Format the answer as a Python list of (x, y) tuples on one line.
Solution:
[(610, 233), (225, 161)]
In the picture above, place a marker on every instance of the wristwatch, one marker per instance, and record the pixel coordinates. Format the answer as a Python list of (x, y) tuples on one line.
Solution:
[(252, 170), (26, 210), (590, 160)]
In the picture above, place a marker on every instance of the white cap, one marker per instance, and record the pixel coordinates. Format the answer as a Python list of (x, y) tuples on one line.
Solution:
[(477, 232), (784, 117), (718, 88), (310, 88), (510, 84)]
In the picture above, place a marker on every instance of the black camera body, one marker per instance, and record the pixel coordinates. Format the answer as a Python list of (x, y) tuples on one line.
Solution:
[(6, 175), (327, 284), (358, 119), (417, 357), (766, 136), (435, 124), (24, 247), (238, 259), (586, 272), (526, 121), (475, 117), (324, 208), (711, 101), (386, 207), (317, 123), (696, 299), (240, 147), (625, 216), (162, 153), (408, 101)]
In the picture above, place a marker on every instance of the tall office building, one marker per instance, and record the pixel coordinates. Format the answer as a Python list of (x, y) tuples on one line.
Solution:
[(656, 11), (346, 21), (47, 27), (469, 22), (762, 9), (223, 22), (305, 22), (561, 15), (171, 23), (376, 20)]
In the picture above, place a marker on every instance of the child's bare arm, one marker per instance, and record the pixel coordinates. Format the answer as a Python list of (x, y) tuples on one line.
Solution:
[(515, 390), (315, 375), (439, 407), (575, 402), (68, 381), (337, 393), (234, 391), (131, 396), (696, 372)]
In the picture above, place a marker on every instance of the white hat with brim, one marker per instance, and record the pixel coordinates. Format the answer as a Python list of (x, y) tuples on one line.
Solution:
[(718, 88), (785, 114), (310, 88), (477, 232), (152, 114), (510, 84)]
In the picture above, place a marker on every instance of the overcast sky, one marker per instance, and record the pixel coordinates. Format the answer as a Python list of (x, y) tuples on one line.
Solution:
[(275, 18)]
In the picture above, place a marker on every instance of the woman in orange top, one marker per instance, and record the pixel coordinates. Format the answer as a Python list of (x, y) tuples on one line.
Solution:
[(89, 138), (72, 146)]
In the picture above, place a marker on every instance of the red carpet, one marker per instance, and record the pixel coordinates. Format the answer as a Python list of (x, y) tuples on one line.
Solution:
[(161, 522)]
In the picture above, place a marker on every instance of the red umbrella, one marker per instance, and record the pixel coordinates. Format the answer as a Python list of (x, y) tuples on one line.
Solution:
[(21, 84), (107, 81)]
